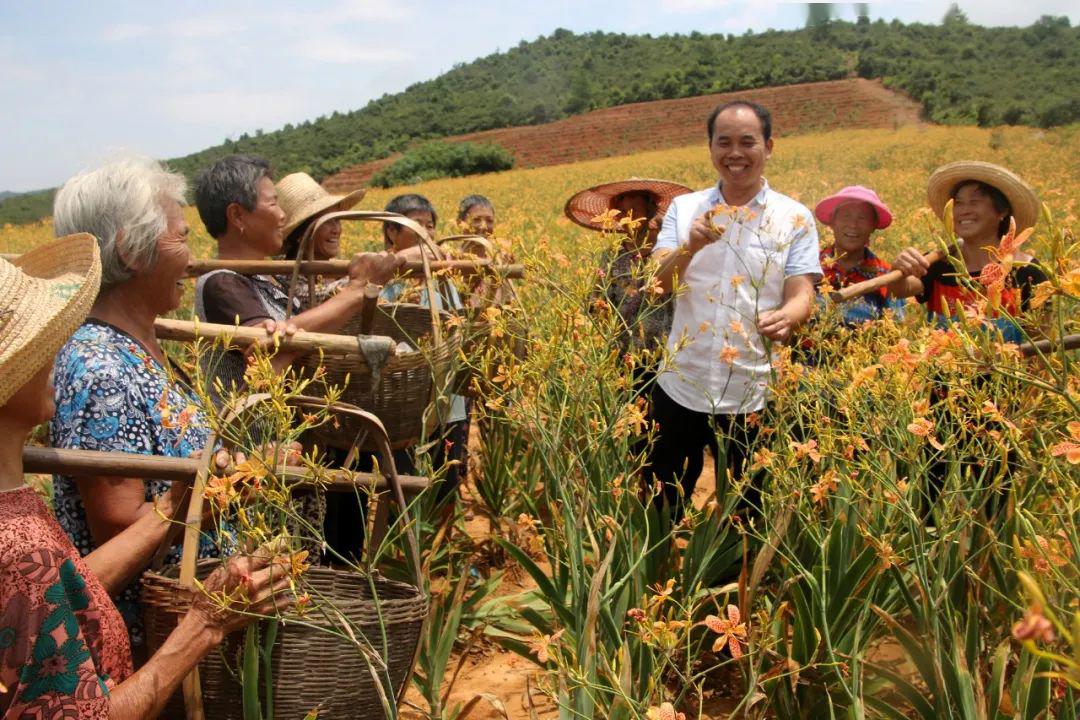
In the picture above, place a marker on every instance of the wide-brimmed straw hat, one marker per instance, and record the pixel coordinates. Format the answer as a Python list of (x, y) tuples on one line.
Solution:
[(302, 198), (825, 209), (594, 201), (44, 295), (1021, 196)]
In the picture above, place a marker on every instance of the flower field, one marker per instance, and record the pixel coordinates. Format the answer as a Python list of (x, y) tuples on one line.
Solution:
[(917, 552)]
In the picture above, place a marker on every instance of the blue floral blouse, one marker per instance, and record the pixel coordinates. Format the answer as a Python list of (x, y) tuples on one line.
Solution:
[(112, 395)]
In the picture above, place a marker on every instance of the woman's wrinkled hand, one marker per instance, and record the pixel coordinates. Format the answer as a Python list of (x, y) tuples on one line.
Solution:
[(237, 594), (376, 268), (911, 263)]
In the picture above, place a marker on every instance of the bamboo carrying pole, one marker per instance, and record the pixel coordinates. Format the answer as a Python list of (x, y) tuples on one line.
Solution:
[(1069, 342), (91, 463), (868, 286), (186, 331), (339, 268)]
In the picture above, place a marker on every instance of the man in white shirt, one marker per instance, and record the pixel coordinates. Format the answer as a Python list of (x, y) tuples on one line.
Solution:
[(743, 261)]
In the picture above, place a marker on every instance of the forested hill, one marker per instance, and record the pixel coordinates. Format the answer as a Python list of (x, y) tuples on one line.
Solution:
[(961, 73)]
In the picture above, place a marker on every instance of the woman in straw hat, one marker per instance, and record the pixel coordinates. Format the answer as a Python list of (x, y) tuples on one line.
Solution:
[(305, 201), (992, 207), (64, 650), (635, 208)]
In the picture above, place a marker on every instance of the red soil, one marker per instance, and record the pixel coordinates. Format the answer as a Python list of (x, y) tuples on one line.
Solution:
[(627, 129)]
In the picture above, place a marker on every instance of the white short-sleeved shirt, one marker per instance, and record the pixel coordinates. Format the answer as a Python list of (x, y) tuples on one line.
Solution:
[(717, 361)]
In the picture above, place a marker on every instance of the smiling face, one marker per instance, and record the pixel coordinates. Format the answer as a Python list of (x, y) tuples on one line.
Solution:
[(262, 226), (852, 224), (976, 218), (162, 284), (739, 150), (480, 220), (328, 238), (402, 238)]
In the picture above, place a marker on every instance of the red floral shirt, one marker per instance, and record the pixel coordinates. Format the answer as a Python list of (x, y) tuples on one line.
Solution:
[(63, 644), (869, 306)]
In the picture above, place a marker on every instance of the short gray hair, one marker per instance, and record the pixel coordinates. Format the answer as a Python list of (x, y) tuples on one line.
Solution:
[(232, 179), (121, 204)]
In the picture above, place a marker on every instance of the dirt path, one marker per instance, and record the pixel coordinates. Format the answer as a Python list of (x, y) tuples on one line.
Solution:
[(503, 677)]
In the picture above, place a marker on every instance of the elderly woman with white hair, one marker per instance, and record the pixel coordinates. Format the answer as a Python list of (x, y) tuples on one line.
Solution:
[(116, 390)]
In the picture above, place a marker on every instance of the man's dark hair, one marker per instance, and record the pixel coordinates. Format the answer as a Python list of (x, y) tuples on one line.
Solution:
[(232, 179), (764, 116), (405, 204)]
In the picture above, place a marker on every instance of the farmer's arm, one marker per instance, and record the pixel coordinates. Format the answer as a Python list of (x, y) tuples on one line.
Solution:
[(802, 270), (331, 315), (914, 266), (145, 693), (135, 529), (777, 325)]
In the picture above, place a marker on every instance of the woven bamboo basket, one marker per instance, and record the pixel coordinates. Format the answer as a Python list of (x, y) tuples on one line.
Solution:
[(406, 384), (303, 653), (409, 391), (311, 666)]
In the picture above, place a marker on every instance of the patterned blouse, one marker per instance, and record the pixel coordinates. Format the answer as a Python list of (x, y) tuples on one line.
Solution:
[(63, 645), (111, 394), (869, 306), (943, 289)]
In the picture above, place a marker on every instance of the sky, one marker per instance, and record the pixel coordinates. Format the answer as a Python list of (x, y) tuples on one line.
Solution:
[(82, 82)]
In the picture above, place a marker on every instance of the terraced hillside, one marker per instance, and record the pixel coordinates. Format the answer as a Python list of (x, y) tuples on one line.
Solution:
[(808, 107)]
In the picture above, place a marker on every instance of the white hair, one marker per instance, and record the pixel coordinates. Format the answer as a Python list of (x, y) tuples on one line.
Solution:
[(122, 205)]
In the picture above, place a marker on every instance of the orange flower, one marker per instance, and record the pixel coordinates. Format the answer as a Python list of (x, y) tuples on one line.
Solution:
[(1070, 449), (666, 711), (220, 490), (732, 632), (807, 449), (729, 354), (542, 645), (921, 427), (1033, 626), (901, 354), (823, 487)]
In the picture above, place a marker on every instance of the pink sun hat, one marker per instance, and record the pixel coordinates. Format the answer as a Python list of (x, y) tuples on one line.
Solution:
[(825, 209)]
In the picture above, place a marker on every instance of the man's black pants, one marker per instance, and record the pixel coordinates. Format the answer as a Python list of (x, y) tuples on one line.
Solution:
[(678, 453)]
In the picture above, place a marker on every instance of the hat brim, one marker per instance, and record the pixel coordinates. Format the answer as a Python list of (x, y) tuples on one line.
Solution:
[(825, 210), (59, 284), (334, 202), (1021, 196), (595, 201)]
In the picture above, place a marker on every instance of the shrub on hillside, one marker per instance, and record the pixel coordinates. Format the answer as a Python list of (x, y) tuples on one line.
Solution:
[(441, 159)]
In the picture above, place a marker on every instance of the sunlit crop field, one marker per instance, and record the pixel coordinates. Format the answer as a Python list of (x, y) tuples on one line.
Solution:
[(847, 596), (895, 163)]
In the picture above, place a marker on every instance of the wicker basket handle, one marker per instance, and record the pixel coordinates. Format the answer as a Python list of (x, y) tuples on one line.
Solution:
[(191, 689), (193, 519), (307, 252)]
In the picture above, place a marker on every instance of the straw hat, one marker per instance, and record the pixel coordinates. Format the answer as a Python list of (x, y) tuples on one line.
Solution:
[(44, 295), (587, 204), (1021, 196), (301, 198)]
